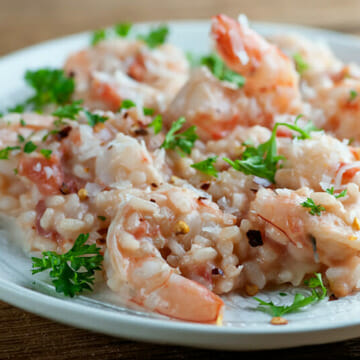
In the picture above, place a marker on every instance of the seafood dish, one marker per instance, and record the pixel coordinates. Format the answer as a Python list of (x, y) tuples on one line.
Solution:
[(176, 178)]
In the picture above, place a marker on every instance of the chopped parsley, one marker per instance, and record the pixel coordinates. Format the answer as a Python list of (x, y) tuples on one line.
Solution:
[(94, 119), (4, 153), (314, 209), (337, 196), (51, 132), (221, 71), (101, 217), (157, 124), (20, 108), (72, 272), (122, 29), (22, 122), (155, 37), (20, 138), (207, 166), (262, 161), (46, 153), (148, 111), (29, 147), (127, 104), (300, 64), (97, 36), (69, 111), (353, 95), (318, 292), (181, 142)]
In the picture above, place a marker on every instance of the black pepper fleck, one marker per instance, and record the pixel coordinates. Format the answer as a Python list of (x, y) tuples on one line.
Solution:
[(255, 238), (64, 189), (217, 271), (63, 133), (141, 132), (205, 186)]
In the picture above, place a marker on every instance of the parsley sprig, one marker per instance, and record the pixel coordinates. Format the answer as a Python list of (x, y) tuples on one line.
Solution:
[(314, 209), (69, 111), (72, 272), (94, 119), (155, 37), (221, 71), (51, 86), (207, 166), (318, 292), (182, 142), (121, 29), (262, 161)]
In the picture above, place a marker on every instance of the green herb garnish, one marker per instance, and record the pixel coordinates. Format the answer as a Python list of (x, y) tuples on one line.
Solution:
[(94, 119), (300, 63), (4, 153), (20, 138), (69, 111), (221, 71), (46, 153), (337, 196), (29, 147), (72, 272), (22, 122), (20, 108), (353, 95), (207, 166), (181, 142), (318, 292), (148, 111), (97, 36), (127, 104), (262, 161), (157, 124), (314, 209), (155, 37), (101, 217), (122, 29), (51, 87)]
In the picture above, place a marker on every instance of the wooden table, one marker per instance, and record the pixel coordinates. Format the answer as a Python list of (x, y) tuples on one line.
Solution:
[(25, 22)]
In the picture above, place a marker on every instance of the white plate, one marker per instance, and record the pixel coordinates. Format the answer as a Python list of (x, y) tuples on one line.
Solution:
[(244, 328)]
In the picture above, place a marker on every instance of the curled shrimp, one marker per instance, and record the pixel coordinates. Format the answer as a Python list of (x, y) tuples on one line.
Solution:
[(245, 52), (326, 239), (157, 239), (217, 107), (115, 70)]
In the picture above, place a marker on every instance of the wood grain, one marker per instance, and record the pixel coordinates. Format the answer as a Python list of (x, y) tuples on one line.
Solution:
[(25, 22)]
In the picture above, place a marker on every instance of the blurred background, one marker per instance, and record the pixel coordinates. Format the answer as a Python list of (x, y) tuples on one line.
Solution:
[(25, 22)]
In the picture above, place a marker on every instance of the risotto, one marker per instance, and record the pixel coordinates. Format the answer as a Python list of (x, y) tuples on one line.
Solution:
[(235, 173)]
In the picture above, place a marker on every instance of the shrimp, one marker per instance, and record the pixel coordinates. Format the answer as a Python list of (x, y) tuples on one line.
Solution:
[(216, 107), (303, 242), (314, 162), (162, 249), (115, 70), (329, 85), (264, 66)]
